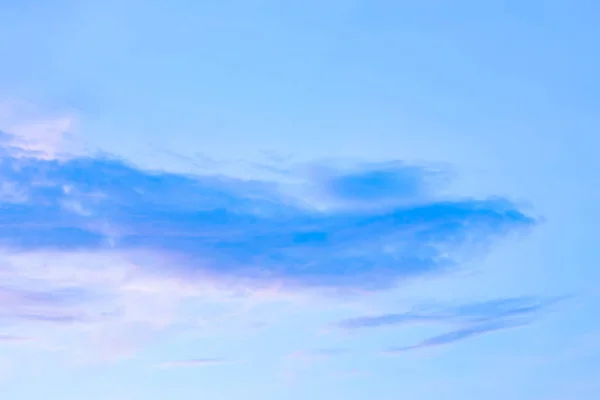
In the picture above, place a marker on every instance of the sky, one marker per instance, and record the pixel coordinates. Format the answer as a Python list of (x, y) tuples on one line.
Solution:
[(322, 200)]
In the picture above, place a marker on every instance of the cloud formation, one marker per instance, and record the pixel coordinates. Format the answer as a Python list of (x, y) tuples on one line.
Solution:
[(102, 247), (239, 229)]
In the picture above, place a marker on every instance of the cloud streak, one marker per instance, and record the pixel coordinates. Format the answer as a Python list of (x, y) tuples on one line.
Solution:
[(451, 337), (57, 306), (471, 313), (471, 320), (14, 339)]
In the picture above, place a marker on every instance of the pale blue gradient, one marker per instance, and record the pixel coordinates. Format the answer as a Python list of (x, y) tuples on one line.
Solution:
[(490, 107)]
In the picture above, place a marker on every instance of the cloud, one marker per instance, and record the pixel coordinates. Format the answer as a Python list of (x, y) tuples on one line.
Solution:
[(239, 229), (376, 184), (470, 313), (471, 320), (197, 362), (109, 250), (53, 306), (457, 335), (14, 339)]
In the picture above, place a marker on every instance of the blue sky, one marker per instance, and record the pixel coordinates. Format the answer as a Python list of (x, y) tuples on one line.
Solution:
[(318, 199)]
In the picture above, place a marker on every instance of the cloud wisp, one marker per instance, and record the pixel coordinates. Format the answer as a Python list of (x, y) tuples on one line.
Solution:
[(470, 313), (451, 337), (15, 339), (470, 320), (59, 306)]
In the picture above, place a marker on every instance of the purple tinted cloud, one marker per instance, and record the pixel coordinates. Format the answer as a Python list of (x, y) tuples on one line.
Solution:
[(58, 305), (14, 339)]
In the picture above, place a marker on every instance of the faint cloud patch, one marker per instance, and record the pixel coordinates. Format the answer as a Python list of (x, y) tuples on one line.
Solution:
[(34, 133)]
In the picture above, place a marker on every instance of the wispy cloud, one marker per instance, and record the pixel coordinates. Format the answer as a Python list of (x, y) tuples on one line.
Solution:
[(58, 305), (471, 320), (470, 313), (15, 339), (458, 335)]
